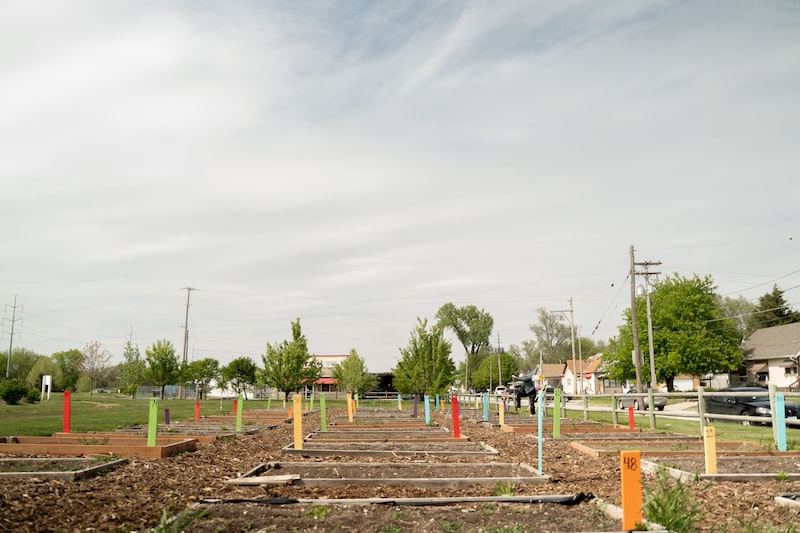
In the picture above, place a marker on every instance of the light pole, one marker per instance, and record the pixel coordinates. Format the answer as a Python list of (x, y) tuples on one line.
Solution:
[(570, 317)]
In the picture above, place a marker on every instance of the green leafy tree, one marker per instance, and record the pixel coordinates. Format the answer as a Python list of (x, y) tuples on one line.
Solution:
[(772, 310), (509, 366), (44, 366), (163, 366), (22, 360), (132, 369), (352, 375), (691, 333), (553, 337), (240, 374), (288, 367), (471, 326), (201, 373), (70, 363), (95, 362), (739, 311), (425, 366), (13, 390)]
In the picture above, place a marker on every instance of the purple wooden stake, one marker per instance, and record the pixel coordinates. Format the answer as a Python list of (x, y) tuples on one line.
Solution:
[(166, 416), (415, 405)]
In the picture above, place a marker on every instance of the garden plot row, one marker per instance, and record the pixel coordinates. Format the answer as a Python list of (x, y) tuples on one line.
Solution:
[(377, 436)]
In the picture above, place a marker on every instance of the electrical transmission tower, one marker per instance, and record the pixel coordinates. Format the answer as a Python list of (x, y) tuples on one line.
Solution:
[(13, 321)]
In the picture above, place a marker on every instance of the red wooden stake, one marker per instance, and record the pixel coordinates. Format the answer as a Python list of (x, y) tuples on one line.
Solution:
[(631, 423), (234, 406), (67, 400), (197, 410)]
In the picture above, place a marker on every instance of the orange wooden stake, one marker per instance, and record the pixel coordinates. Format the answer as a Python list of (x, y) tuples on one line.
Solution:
[(631, 489)]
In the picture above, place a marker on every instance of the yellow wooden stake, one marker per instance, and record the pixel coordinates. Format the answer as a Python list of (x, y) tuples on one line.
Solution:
[(298, 422), (710, 446), (349, 406), (631, 489), (502, 416)]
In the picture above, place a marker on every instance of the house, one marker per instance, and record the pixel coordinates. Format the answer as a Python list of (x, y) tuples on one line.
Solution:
[(772, 356), (588, 375), (551, 373), (326, 382)]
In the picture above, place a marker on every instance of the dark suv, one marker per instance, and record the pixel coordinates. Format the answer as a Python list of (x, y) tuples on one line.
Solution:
[(748, 405)]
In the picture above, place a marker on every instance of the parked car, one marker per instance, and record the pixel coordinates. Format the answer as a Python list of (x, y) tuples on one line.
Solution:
[(500, 391), (748, 405), (623, 403)]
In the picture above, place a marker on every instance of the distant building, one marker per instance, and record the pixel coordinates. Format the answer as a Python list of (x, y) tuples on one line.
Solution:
[(772, 356)]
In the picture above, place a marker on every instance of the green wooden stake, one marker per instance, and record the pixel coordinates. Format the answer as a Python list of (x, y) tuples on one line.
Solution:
[(311, 406), (322, 415), (152, 425), (239, 410), (269, 401), (557, 414)]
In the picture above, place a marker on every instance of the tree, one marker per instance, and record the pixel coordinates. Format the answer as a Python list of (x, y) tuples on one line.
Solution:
[(772, 310), (691, 333), (132, 369), (44, 366), (70, 363), (509, 366), (163, 366), (240, 374), (22, 360), (288, 366), (425, 366), (95, 362), (740, 311), (553, 337), (352, 375), (472, 327), (201, 373)]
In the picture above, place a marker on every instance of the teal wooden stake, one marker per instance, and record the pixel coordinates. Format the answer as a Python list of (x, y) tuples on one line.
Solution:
[(322, 415), (780, 420), (541, 428), (485, 406), (437, 404), (557, 413), (152, 425), (427, 410), (399, 402), (239, 409)]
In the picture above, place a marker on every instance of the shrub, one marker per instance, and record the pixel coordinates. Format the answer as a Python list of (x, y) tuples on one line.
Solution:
[(13, 390), (33, 395)]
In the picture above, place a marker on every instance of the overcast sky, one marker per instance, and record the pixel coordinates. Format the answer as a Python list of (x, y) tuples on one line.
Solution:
[(359, 164)]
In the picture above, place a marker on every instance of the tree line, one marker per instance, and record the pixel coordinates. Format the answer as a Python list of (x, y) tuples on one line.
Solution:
[(695, 331)]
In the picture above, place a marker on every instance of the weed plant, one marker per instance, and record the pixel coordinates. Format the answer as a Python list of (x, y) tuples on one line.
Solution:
[(671, 505)]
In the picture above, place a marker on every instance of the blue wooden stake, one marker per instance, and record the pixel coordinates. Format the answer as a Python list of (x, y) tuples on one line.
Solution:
[(427, 410), (780, 420), (485, 406)]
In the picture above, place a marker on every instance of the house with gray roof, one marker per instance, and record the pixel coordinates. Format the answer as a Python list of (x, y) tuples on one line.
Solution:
[(772, 356)]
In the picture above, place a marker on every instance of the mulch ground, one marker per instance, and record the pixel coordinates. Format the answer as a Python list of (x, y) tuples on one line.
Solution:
[(145, 493)]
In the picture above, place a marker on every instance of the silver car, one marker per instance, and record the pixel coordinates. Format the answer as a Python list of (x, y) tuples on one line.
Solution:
[(623, 403)]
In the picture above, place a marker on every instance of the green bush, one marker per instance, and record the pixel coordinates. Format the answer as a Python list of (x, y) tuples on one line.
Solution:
[(13, 390), (33, 395)]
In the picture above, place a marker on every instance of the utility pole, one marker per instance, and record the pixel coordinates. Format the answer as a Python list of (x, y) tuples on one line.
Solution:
[(499, 365), (637, 353), (572, 333), (647, 274), (181, 392), (14, 320)]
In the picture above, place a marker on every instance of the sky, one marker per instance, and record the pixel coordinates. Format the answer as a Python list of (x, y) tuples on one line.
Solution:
[(357, 165)]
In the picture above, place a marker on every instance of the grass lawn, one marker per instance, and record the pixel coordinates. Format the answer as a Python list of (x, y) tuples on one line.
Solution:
[(108, 412)]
